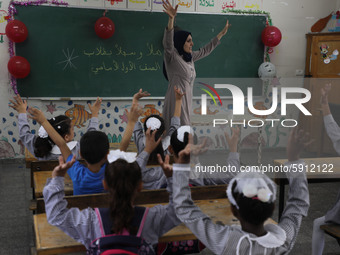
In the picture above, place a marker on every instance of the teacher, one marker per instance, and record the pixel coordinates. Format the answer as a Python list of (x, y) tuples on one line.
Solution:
[(179, 64)]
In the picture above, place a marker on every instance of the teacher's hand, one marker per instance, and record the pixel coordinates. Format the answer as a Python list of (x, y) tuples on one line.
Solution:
[(224, 30), (168, 9)]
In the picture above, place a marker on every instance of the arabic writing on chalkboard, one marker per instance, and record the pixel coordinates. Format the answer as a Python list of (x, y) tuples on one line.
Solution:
[(132, 60)]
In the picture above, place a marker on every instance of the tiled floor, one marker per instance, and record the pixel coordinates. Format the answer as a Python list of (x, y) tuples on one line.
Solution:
[(16, 234)]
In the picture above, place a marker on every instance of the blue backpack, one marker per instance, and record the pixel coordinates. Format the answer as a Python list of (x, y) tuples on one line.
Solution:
[(124, 243)]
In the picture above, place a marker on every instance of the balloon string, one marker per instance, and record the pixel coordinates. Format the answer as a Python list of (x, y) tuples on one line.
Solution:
[(104, 13)]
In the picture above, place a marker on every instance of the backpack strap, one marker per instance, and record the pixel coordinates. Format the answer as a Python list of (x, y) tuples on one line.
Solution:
[(141, 225), (105, 222)]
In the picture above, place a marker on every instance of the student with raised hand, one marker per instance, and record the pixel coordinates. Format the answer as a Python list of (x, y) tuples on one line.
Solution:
[(201, 178), (332, 215), (94, 148), (153, 177), (41, 146), (252, 196), (179, 68), (133, 115), (121, 216)]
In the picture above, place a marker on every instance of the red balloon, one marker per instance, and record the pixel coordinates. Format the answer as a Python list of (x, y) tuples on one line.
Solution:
[(16, 31), (19, 67), (104, 27), (271, 36)]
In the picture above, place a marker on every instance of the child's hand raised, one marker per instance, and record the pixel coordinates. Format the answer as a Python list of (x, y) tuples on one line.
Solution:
[(62, 168), (184, 155), (297, 141), (140, 94), (18, 104), (95, 107), (178, 93), (233, 139), (167, 168), (198, 149), (150, 143), (37, 115), (135, 112)]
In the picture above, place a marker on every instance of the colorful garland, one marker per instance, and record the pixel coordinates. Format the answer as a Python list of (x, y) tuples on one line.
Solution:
[(12, 11)]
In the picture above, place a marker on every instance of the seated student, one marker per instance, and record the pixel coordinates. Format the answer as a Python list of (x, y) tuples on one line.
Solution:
[(201, 178), (94, 148), (123, 181), (252, 197), (333, 215), (41, 146), (153, 178)]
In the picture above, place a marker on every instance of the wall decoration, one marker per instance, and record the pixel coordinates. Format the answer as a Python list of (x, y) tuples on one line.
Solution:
[(51, 108), (78, 115), (209, 112), (6, 149), (124, 117), (327, 58), (149, 109)]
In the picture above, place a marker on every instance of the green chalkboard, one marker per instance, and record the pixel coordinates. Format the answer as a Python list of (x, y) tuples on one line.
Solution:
[(69, 60)]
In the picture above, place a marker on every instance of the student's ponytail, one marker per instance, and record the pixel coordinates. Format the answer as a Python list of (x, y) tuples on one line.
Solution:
[(160, 130), (43, 144), (123, 180), (179, 144)]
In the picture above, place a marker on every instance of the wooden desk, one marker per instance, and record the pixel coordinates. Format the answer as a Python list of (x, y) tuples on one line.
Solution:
[(51, 240), (39, 180), (313, 175), (332, 230)]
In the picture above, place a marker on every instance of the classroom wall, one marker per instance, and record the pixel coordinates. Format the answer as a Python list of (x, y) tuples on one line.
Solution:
[(293, 17)]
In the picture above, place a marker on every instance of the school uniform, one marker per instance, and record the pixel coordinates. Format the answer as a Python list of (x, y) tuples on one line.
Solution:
[(28, 139), (153, 177), (233, 240), (84, 180), (84, 226), (181, 74)]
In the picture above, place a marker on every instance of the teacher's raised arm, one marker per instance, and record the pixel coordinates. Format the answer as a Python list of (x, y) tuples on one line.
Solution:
[(179, 67)]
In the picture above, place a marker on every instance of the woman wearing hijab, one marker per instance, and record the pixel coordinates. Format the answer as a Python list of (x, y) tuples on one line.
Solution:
[(179, 68)]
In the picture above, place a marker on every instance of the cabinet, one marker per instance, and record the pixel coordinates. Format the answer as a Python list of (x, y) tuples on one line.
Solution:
[(322, 66)]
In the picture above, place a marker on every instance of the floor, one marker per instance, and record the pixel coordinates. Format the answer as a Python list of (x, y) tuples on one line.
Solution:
[(17, 236)]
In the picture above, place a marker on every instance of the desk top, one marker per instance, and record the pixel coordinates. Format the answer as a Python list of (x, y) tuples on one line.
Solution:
[(40, 178), (51, 240), (318, 168), (39, 182)]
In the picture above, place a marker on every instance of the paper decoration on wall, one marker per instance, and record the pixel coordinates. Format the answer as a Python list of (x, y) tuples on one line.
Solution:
[(187, 5), (138, 4), (51, 108), (78, 115), (229, 5), (111, 4), (3, 17), (324, 53), (149, 109), (252, 4), (124, 117), (157, 5), (91, 3)]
